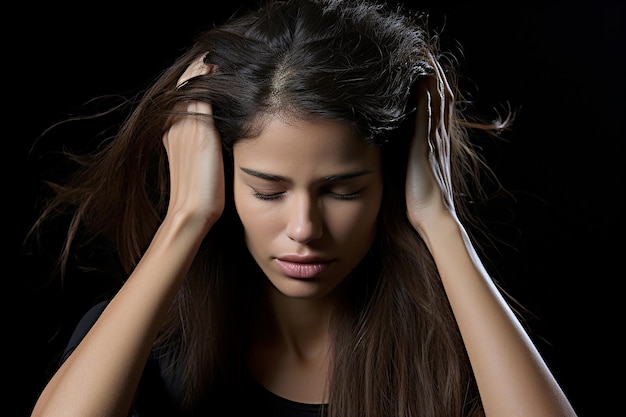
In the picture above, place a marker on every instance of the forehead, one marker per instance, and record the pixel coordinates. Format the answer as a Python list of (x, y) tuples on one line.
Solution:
[(304, 142)]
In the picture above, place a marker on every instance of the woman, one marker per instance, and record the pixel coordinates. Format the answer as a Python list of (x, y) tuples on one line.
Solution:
[(288, 200)]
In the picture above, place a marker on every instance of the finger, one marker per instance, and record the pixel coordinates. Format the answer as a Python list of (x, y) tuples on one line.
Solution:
[(430, 148), (421, 145), (443, 136), (196, 68)]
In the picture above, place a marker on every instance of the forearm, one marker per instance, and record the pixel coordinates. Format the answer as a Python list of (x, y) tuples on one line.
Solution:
[(512, 378), (101, 376)]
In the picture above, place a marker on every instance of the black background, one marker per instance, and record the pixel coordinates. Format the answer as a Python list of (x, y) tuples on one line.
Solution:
[(560, 234)]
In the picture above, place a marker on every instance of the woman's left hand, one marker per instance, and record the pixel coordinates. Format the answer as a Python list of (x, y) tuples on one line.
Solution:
[(428, 181)]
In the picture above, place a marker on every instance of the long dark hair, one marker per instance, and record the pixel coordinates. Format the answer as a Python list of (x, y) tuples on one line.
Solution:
[(397, 350)]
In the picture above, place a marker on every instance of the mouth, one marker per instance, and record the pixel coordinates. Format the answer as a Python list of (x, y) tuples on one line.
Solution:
[(302, 268)]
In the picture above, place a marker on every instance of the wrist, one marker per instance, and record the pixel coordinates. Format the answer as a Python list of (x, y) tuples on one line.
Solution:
[(188, 222), (438, 227)]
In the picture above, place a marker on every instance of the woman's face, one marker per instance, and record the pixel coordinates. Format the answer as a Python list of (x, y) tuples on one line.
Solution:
[(308, 194)]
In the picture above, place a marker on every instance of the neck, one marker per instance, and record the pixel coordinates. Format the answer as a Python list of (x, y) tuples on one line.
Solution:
[(290, 347), (298, 326)]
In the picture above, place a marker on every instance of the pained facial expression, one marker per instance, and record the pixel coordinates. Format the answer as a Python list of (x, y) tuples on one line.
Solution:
[(308, 194)]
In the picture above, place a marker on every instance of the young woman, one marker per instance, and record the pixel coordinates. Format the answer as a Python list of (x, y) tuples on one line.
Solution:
[(288, 201)]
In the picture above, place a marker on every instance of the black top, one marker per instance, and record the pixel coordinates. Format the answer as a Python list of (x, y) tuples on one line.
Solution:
[(155, 396)]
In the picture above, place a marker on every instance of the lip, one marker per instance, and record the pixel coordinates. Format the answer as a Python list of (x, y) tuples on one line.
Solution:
[(301, 266)]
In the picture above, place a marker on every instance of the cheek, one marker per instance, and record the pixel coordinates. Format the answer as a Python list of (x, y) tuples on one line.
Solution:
[(244, 208), (355, 225), (259, 223)]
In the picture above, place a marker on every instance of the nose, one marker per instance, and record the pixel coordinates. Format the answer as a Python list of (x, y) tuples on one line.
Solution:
[(305, 222)]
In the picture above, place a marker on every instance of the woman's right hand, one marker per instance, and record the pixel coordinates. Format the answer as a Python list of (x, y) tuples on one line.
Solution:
[(194, 152), (101, 375)]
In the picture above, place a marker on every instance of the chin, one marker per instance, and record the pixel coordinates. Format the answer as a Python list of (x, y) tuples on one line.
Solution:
[(301, 289)]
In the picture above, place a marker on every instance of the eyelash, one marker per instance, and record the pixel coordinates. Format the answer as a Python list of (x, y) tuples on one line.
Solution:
[(276, 196), (351, 196), (265, 197)]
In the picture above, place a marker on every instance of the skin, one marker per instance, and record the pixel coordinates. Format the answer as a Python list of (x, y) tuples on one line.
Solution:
[(101, 376), (305, 191), (320, 207)]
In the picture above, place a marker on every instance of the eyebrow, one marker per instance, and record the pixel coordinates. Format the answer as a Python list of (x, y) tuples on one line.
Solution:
[(328, 178)]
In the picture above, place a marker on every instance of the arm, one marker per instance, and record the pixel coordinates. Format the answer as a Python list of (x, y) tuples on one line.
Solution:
[(512, 377), (100, 377)]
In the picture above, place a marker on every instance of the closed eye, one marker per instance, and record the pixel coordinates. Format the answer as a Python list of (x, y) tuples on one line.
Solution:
[(276, 196), (346, 196), (271, 196)]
